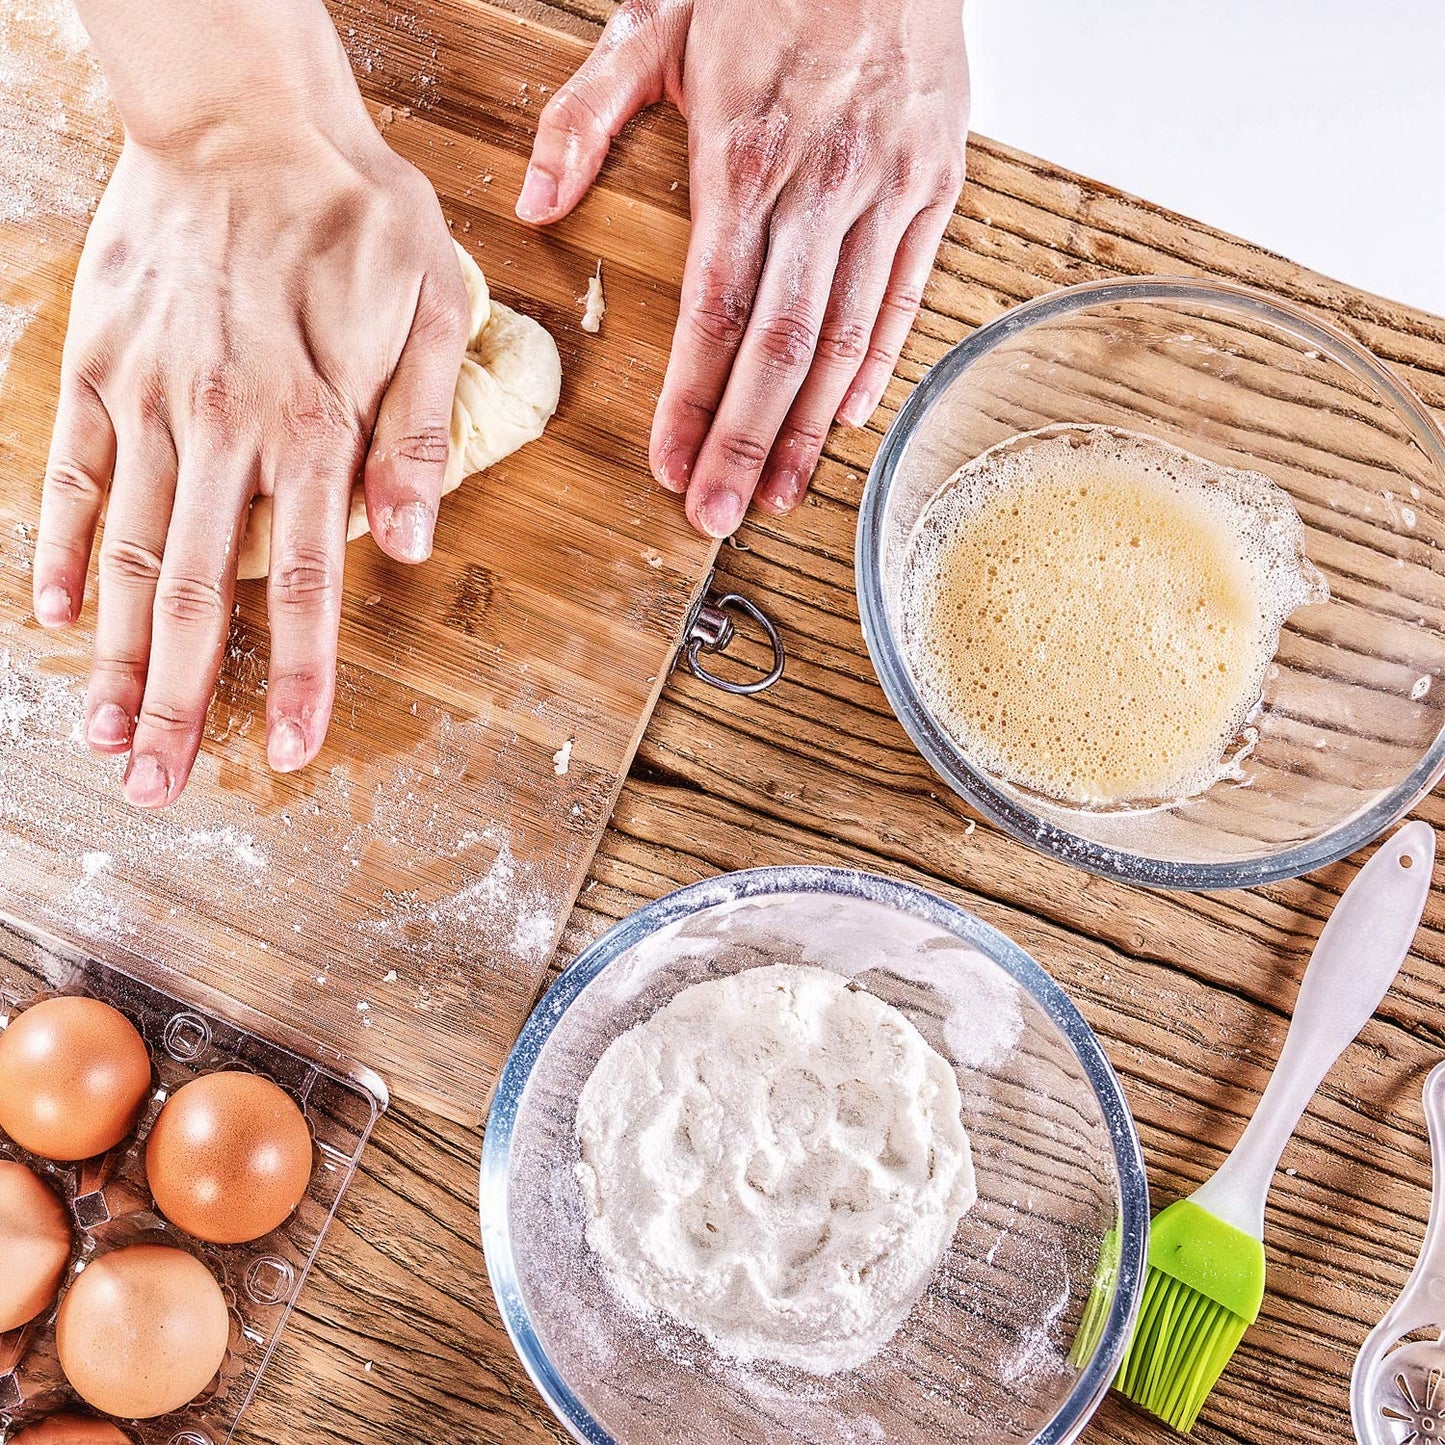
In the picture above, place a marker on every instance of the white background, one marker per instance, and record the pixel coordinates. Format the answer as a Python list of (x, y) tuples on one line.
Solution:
[(1315, 128)]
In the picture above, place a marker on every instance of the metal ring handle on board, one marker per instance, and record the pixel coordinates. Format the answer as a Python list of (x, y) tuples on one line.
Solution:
[(710, 629)]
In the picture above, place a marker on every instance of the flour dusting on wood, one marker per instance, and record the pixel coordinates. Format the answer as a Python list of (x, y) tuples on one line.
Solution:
[(52, 98), (13, 321), (507, 911), (399, 871)]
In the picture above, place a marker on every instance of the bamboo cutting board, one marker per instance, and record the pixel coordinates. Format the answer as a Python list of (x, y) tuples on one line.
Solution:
[(400, 898)]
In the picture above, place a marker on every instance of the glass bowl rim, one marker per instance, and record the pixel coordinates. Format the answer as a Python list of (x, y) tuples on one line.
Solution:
[(1093, 1382), (939, 750)]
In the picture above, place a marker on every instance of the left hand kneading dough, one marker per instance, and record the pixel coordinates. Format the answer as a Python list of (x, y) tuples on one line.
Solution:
[(506, 393)]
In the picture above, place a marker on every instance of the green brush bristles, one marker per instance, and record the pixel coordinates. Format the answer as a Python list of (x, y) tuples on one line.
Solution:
[(1183, 1342), (1204, 1290), (1101, 1298)]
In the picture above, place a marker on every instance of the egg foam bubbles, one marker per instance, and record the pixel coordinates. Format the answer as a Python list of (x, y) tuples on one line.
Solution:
[(1091, 613)]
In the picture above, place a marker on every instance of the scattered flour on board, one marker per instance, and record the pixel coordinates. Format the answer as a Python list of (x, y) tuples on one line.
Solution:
[(43, 757), (92, 910), (508, 909), (13, 321), (53, 107), (17, 705), (378, 54), (475, 904), (209, 845)]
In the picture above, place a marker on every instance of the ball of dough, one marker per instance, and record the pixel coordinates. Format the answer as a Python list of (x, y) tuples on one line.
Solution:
[(507, 390)]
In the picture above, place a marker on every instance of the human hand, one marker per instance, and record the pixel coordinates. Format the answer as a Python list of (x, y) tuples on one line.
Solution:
[(259, 309), (826, 153)]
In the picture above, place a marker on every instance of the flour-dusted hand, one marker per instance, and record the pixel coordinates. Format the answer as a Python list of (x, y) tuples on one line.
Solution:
[(506, 393), (268, 304), (826, 154)]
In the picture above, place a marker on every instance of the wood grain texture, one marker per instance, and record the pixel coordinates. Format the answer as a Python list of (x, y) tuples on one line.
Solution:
[(403, 894), (397, 1337)]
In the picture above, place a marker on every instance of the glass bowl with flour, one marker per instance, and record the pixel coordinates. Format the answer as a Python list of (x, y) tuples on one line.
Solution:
[(807, 1154), (1151, 572)]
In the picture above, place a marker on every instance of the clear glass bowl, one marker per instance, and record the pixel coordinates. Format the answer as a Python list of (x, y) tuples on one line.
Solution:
[(984, 1354), (1350, 724)]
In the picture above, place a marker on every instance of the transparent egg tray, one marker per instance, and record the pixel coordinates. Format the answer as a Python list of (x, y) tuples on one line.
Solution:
[(110, 1203)]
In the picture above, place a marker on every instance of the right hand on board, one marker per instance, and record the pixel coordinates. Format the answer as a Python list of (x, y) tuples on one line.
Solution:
[(826, 152)]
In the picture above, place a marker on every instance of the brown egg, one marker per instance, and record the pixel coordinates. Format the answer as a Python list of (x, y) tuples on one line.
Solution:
[(229, 1157), (73, 1075), (34, 1245), (72, 1430), (142, 1331)]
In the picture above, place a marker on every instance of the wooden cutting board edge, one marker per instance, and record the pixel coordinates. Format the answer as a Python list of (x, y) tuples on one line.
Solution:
[(527, 20)]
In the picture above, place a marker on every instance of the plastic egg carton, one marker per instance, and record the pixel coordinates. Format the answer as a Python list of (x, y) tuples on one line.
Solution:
[(110, 1202)]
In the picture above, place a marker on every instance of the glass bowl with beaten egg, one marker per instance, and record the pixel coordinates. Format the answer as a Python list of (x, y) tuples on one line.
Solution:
[(1150, 571)]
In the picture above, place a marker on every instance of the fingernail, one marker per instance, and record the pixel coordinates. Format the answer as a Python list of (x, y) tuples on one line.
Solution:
[(539, 195), (409, 529), (856, 409), (146, 783), (783, 490), (286, 747), (108, 727), (52, 607), (720, 513), (674, 471)]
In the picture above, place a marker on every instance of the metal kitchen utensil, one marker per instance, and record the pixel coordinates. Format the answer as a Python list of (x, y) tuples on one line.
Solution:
[(1397, 1391), (711, 629)]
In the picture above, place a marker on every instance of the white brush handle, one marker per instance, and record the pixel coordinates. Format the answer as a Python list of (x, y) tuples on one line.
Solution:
[(1360, 951)]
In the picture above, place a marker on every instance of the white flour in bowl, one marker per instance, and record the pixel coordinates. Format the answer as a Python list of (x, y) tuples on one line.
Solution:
[(775, 1159)]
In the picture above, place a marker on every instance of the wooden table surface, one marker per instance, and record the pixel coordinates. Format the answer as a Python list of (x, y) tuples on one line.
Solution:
[(397, 1337)]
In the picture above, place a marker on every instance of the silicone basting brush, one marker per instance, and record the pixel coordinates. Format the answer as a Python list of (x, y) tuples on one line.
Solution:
[(1206, 1254)]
